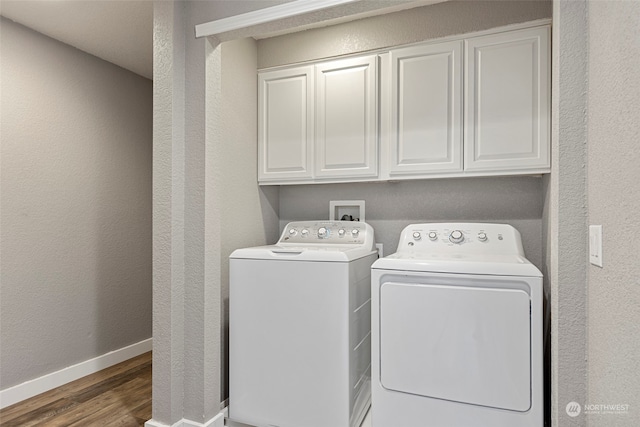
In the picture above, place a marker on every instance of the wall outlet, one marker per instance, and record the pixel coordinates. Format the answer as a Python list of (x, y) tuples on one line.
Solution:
[(595, 245), (380, 250)]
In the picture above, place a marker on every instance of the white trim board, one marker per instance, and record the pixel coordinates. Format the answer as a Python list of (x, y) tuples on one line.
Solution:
[(50, 381), (262, 16), (217, 421)]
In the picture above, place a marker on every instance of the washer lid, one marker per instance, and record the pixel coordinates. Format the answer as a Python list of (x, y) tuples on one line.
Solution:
[(318, 253), (334, 241), (497, 265)]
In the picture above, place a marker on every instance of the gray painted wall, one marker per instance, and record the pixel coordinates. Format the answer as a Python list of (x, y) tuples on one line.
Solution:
[(409, 26), (613, 174), (392, 206), (76, 206)]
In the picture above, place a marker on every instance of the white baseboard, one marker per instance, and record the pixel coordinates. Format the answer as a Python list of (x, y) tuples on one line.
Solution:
[(217, 421), (50, 381), (153, 423)]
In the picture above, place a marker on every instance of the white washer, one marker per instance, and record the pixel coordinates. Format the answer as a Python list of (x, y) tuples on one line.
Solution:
[(300, 327), (457, 330)]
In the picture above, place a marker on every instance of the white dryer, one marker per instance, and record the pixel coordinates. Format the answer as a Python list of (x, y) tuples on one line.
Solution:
[(457, 330), (300, 327)]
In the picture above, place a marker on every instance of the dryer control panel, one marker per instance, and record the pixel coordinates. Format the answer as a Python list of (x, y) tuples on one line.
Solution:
[(467, 238), (327, 233)]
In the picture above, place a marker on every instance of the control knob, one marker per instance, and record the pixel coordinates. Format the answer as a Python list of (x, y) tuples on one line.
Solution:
[(456, 236), (482, 237), (293, 232), (433, 235), (322, 232), (304, 232), (341, 232), (355, 232), (416, 235)]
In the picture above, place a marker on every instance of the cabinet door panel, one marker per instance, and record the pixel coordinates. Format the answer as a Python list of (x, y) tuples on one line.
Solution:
[(346, 143), (426, 109), (285, 123), (507, 113)]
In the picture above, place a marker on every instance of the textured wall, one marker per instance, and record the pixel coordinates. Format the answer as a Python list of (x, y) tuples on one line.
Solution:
[(202, 166), (224, 208), (169, 33), (614, 201), (76, 206), (565, 212), (409, 26)]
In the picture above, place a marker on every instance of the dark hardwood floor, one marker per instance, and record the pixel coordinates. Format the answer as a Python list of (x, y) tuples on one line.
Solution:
[(116, 396)]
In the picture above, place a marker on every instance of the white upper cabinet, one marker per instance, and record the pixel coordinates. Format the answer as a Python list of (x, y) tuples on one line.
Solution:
[(470, 105), (507, 102), (425, 133), (286, 124), (346, 118)]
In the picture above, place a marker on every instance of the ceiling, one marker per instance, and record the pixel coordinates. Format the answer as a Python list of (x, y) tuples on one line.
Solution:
[(121, 31)]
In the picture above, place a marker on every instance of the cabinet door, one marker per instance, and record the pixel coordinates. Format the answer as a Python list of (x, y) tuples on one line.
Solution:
[(346, 119), (426, 109), (285, 124), (507, 102)]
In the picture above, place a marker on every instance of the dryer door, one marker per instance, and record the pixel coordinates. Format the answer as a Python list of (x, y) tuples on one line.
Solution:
[(462, 343)]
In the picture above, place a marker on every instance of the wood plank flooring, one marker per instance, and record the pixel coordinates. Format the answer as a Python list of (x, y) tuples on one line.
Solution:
[(117, 396)]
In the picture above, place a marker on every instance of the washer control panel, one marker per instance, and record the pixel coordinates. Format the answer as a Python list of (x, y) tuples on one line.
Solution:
[(461, 238), (327, 232)]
